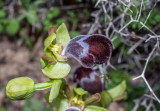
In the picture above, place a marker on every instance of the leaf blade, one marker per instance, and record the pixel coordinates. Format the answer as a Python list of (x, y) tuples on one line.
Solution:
[(118, 90), (94, 108)]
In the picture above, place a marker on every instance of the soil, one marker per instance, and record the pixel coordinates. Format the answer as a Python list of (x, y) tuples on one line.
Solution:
[(17, 60)]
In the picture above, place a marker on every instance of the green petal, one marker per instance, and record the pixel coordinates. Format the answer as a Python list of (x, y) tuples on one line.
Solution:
[(81, 92), (118, 90), (55, 90), (47, 43), (62, 35), (94, 108), (43, 63), (57, 71)]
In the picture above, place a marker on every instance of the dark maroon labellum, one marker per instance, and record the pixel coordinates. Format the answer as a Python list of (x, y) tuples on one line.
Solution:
[(88, 79), (90, 50)]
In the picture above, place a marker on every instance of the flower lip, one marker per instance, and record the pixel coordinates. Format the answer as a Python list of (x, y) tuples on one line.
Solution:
[(89, 50), (88, 79)]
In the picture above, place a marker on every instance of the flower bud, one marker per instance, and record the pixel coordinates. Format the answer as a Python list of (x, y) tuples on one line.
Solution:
[(20, 88)]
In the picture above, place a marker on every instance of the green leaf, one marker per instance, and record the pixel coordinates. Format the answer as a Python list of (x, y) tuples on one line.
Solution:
[(118, 90), (54, 13), (117, 76), (2, 13), (28, 41), (2, 109), (33, 105), (32, 16), (26, 3), (62, 35), (48, 42), (94, 108), (1, 3), (12, 27), (59, 22), (74, 34), (106, 99), (81, 92), (58, 104), (117, 42), (57, 71), (55, 90), (1, 28)]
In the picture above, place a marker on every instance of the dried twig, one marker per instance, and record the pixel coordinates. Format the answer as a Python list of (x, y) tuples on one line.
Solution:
[(117, 26)]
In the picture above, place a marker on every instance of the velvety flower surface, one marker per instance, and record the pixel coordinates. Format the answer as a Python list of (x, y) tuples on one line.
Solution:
[(89, 50), (88, 79)]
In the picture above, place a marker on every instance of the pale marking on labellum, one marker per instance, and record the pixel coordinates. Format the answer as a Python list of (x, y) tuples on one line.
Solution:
[(64, 52), (85, 47), (91, 78)]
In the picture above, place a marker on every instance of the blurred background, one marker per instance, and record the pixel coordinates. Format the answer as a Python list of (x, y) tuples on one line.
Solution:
[(24, 26)]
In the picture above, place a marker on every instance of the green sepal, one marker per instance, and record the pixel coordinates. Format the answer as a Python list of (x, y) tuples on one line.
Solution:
[(57, 70), (62, 35), (60, 103), (43, 63), (93, 99), (80, 92), (106, 99), (94, 108), (118, 90), (55, 89), (48, 41)]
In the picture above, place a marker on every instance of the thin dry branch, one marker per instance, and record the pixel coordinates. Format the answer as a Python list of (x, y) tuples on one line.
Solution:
[(118, 27)]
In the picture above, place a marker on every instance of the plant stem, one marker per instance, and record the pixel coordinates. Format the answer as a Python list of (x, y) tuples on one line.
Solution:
[(44, 85)]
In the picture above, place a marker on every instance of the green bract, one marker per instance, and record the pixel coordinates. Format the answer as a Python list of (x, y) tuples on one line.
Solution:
[(60, 103), (54, 65), (55, 90), (20, 88)]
